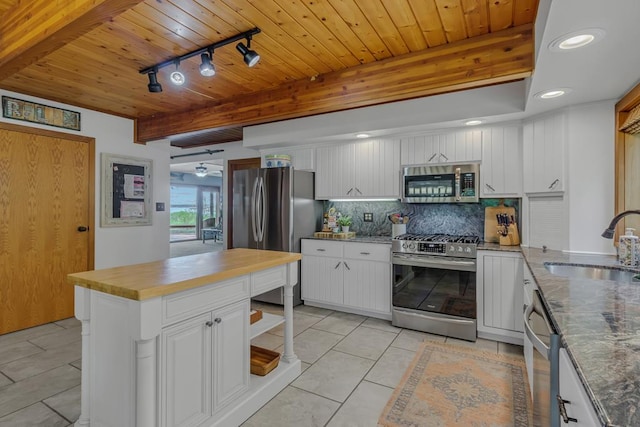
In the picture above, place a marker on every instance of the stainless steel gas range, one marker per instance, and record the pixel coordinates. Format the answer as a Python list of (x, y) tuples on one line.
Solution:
[(434, 287)]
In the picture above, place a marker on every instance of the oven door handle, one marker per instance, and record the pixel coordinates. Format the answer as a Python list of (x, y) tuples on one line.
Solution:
[(443, 319), (449, 264)]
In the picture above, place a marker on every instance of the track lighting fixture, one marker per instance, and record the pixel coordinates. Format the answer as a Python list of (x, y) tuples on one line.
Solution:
[(207, 68), (153, 85), (250, 57)]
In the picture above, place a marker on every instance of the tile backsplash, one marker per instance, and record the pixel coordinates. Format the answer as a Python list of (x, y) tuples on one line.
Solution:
[(447, 218)]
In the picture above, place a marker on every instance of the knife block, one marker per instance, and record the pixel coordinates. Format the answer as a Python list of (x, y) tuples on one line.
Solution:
[(512, 238)]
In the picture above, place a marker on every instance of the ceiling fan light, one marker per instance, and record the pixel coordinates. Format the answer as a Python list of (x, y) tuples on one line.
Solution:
[(207, 69), (250, 57), (201, 171), (154, 86)]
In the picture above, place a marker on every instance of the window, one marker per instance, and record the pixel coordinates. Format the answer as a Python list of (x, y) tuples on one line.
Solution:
[(191, 206)]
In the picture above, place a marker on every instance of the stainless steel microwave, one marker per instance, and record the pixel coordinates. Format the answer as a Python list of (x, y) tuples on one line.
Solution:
[(441, 183)]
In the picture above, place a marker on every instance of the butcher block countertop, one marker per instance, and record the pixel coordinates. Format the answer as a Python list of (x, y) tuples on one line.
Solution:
[(155, 279)]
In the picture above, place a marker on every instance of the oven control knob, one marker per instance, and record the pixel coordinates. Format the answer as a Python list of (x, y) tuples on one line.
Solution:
[(412, 246), (468, 250), (459, 248), (404, 246), (452, 249)]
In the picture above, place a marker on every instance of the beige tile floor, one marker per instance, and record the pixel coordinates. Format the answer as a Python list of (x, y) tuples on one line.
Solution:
[(351, 364)]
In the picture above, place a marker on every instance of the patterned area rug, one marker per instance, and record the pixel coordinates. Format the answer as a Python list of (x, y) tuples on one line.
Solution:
[(449, 385)]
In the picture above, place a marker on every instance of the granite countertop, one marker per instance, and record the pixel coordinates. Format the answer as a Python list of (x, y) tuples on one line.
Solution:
[(357, 239), (486, 246), (154, 279), (599, 323)]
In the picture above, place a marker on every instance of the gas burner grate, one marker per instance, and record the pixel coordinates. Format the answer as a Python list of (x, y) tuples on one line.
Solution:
[(439, 238)]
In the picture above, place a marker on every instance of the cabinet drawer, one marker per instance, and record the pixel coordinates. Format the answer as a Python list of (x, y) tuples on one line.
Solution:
[(368, 251), (205, 298), (265, 280), (322, 248)]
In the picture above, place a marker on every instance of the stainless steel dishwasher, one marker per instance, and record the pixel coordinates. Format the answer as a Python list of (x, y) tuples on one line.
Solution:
[(546, 344)]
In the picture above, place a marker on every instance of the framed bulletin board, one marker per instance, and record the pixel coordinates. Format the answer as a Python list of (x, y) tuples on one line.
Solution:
[(126, 191)]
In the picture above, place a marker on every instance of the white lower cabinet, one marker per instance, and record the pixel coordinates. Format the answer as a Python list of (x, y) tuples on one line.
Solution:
[(576, 402), (205, 364), (500, 296), (347, 276)]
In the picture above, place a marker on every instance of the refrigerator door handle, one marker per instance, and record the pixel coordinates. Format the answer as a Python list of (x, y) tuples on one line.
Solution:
[(263, 226), (254, 206), (260, 210)]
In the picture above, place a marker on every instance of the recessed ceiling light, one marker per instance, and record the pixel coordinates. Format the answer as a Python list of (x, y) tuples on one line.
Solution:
[(553, 93), (576, 39), (363, 135), (473, 122)]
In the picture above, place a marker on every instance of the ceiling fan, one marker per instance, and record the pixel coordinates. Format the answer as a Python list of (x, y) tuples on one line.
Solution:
[(202, 170)]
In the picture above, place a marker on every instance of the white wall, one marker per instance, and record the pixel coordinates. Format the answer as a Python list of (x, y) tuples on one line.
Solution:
[(591, 164), (116, 246)]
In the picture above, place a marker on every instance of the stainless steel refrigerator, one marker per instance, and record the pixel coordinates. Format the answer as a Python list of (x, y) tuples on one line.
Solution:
[(273, 208)]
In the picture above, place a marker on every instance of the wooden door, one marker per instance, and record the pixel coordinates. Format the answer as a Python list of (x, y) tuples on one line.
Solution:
[(46, 194), (232, 166)]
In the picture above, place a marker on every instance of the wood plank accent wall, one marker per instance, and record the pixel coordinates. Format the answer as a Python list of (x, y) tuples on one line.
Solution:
[(480, 61)]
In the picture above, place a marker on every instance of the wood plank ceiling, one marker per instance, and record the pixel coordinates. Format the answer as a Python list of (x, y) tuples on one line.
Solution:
[(317, 56)]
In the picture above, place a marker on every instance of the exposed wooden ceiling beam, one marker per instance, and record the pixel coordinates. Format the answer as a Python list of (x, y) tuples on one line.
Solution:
[(495, 58), (33, 29)]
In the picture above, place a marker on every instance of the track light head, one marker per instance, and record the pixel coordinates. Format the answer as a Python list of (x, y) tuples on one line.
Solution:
[(251, 58), (177, 78), (207, 69), (154, 86)]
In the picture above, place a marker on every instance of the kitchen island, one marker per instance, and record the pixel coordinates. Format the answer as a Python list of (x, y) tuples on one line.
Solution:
[(599, 323), (167, 343)]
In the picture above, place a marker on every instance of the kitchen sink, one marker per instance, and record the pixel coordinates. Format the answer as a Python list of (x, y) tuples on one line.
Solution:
[(593, 272)]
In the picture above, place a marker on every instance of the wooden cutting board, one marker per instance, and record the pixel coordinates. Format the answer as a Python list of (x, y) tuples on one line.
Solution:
[(491, 222)]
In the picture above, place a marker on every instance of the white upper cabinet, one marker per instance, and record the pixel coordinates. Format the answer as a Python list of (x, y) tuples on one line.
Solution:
[(543, 166), (460, 146), (360, 170), (501, 168)]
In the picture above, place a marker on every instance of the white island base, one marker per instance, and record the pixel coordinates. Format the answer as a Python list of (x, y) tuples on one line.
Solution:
[(181, 357)]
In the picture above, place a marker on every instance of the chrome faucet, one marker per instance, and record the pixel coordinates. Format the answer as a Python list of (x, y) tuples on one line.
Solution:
[(608, 233)]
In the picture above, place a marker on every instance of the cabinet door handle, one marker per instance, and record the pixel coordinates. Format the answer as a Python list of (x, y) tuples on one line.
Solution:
[(432, 157), (358, 190), (554, 183), (365, 253), (490, 187), (563, 411), (445, 157), (526, 281), (337, 265), (209, 323), (349, 192), (321, 250), (217, 320), (347, 265)]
